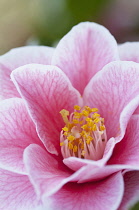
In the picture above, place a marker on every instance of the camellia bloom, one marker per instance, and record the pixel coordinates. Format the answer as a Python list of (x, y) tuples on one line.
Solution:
[(69, 124)]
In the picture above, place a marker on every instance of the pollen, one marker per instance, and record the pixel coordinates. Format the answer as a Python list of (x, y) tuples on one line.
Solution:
[(96, 115), (65, 129), (77, 114), (64, 114), (94, 128), (85, 113), (102, 128), (75, 148), (70, 138), (84, 133), (61, 143), (96, 120), (76, 107), (75, 121), (65, 133)]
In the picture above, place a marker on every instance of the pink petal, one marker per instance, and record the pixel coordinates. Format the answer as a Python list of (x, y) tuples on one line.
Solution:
[(137, 110), (48, 174), (91, 171), (84, 51), (114, 91), (129, 51), (75, 163), (47, 91), (106, 194), (17, 131), (16, 58), (91, 174), (16, 192), (45, 172), (127, 151), (131, 194)]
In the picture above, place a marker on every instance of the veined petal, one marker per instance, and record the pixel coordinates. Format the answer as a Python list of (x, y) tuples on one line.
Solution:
[(45, 172), (131, 191), (91, 196), (115, 92), (16, 58), (85, 50), (47, 91), (17, 131), (126, 152), (16, 192), (91, 171)]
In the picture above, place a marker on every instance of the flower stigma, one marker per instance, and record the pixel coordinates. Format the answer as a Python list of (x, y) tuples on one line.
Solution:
[(84, 134)]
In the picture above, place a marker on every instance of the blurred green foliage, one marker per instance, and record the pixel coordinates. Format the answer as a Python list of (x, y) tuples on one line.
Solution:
[(53, 19), (86, 9), (136, 207)]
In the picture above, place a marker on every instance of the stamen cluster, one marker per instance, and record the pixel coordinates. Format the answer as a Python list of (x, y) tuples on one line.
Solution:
[(83, 130)]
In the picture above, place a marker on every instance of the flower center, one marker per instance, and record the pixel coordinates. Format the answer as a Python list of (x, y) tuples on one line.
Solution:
[(84, 134)]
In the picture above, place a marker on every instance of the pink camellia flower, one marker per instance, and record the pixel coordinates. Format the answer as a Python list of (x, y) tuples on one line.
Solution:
[(69, 124)]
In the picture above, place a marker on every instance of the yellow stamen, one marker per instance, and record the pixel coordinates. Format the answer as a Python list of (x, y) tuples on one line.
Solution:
[(70, 145), (61, 143), (88, 109), (76, 107), (65, 133), (102, 128), (82, 133), (91, 123), (70, 138), (64, 113), (75, 121), (97, 120), (65, 129), (88, 119), (85, 113), (95, 115), (75, 148), (94, 110), (77, 114), (84, 127), (89, 139), (94, 127), (70, 125)]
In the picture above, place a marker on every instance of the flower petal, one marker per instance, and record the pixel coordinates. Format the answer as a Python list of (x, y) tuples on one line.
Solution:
[(16, 58), (129, 51), (91, 171), (16, 192), (47, 91), (17, 131), (45, 172), (106, 194), (48, 174), (115, 92), (126, 152), (131, 194), (84, 51)]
